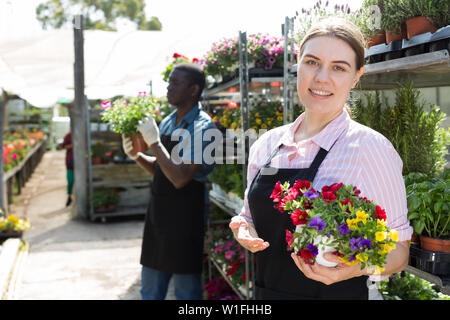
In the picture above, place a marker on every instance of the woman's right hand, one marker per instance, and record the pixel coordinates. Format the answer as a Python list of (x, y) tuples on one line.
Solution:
[(246, 235)]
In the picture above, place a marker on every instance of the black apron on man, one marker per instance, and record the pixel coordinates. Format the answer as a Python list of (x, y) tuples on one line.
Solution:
[(174, 224), (277, 276)]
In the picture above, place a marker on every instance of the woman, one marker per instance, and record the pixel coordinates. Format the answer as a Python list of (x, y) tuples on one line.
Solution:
[(322, 145)]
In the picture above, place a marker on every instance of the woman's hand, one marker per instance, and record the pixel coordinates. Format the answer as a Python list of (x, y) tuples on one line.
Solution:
[(328, 275), (246, 235)]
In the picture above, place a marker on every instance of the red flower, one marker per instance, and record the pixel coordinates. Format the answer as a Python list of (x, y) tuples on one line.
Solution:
[(289, 239), (356, 191), (333, 188), (276, 192), (299, 217), (380, 213), (328, 196), (302, 184), (337, 253), (306, 255), (195, 60), (176, 55), (346, 202)]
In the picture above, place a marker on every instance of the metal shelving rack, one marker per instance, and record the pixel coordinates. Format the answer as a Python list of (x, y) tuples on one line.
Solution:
[(429, 69), (244, 83)]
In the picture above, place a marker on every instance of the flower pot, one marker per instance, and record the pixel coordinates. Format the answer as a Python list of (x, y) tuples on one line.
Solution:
[(393, 37), (418, 25), (5, 235), (432, 244), (96, 160), (415, 239), (378, 39), (139, 144), (324, 249)]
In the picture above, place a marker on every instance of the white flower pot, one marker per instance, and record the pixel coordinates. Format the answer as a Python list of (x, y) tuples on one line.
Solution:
[(324, 249)]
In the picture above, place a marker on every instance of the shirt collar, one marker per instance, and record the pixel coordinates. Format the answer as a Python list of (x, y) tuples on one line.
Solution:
[(188, 117), (325, 138)]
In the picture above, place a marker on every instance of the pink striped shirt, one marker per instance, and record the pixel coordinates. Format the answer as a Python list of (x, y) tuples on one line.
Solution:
[(361, 157)]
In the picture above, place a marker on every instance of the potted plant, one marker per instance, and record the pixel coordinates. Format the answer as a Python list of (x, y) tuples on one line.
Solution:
[(98, 151), (392, 20), (428, 210), (423, 16), (12, 227), (368, 19), (177, 59), (123, 116), (105, 200)]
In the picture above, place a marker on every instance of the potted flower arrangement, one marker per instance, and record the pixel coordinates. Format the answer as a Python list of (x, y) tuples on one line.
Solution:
[(98, 152), (335, 220), (176, 59), (123, 116), (12, 227), (222, 60), (218, 289), (428, 211), (424, 15), (105, 199), (392, 20)]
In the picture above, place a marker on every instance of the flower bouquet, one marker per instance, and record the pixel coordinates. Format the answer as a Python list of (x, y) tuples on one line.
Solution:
[(335, 220)]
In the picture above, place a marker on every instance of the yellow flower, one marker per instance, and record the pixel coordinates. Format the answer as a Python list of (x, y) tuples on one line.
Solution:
[(345, 260), (393, 235), (258, 121), (269, 122), (361, 216), (381, 222), (280, 118), (377, 269), (361, 257), (263, 126), (352, 223), (380, 236), (257, 114), (386, 248), (233, 125)]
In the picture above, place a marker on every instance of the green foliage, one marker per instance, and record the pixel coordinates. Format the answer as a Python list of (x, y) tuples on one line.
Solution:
[(104, 197), (124, 114), (437, 11), (414, 133), (429, 204), (99, 14), (409, 287), (229, 177)]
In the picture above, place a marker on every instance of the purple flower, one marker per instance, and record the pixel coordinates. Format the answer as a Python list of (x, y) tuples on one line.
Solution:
[(343, 228), (229, 254), (311, 194), (365, 244), (355, 243), (317, 223), (313, 249), (351, 258)]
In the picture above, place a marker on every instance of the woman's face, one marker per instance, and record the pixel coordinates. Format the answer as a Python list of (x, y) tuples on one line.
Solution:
[(326, 74)]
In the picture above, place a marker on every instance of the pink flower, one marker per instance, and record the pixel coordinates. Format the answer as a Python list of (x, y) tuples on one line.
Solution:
[(106, 104), (15, 156), (229, 254)]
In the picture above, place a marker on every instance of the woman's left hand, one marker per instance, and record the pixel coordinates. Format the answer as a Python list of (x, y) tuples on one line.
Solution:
[(328, 275)]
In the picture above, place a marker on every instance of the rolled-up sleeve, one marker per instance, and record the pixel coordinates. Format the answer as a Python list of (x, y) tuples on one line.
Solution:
[(382, 182)]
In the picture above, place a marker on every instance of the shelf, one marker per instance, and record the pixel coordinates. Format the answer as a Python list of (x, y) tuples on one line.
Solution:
[(445, 288), (431, 69), (222, 205), (121, 211), (241, 294)]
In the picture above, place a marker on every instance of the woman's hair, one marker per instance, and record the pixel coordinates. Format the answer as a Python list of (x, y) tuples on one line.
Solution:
[(341, 29)]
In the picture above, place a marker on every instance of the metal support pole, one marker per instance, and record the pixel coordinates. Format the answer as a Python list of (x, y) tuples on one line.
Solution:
[(79, 123)]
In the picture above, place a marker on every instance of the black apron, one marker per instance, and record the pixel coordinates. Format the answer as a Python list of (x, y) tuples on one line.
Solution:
[(174, 223), (277, 276)]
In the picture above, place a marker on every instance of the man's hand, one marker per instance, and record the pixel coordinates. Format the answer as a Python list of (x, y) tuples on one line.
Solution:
[(246, 235), (149, 130), (127, 144)]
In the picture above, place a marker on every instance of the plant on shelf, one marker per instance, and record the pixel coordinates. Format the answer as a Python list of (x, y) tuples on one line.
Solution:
[(228, 177), (176, 59), (436, 11), (222, 59), (405, 286), (429, 207), (392, 17), (98, 152), (218, 289), (417, 135), (105, 199), (12, 225)]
